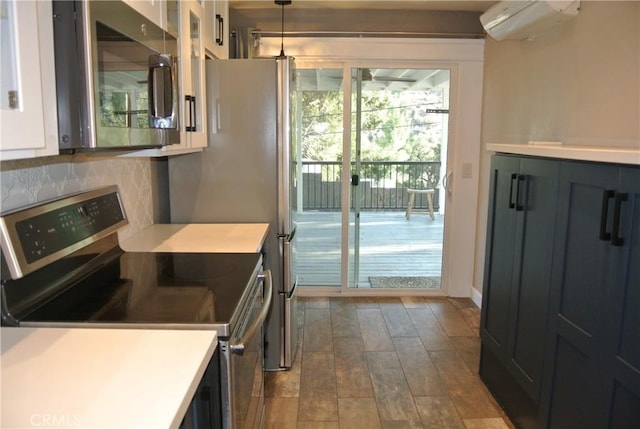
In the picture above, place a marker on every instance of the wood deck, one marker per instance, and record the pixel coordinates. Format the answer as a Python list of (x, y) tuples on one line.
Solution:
[(390, 245)]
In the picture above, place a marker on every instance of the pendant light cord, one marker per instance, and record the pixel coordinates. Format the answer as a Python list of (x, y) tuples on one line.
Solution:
[(282, 33), (282, 3)]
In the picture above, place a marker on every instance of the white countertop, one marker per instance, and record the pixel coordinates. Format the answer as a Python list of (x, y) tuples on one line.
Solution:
[(617, 155), (199, 238), (100, 378)]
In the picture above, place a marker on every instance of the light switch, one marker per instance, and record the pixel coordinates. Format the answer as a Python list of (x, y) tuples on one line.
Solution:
[(467, 170)]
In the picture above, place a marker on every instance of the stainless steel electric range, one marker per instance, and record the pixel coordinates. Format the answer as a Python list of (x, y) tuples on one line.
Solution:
[(62, 266)]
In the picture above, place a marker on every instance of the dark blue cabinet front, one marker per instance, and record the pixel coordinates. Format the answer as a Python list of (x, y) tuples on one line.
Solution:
[(593, 350), (560, 324), (623, 348), (517, 277)]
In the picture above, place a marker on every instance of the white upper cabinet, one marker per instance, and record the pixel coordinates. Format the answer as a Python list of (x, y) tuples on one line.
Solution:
[(216, 28), (154, 10), (185, 18), (192, 75), (28, 121)]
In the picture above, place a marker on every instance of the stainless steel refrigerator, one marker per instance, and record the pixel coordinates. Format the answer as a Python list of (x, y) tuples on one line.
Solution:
[(245, 175)]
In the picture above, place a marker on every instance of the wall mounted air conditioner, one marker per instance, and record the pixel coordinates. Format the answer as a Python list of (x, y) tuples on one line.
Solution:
[(521, 20)]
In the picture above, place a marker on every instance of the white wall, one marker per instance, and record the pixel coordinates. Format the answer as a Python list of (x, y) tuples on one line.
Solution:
[(579, 83)]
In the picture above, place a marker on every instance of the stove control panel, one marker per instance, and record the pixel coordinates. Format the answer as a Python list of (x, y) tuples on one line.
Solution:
[(38, 235)]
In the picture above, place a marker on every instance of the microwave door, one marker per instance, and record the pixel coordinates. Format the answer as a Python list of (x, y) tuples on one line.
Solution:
[(112, 46)]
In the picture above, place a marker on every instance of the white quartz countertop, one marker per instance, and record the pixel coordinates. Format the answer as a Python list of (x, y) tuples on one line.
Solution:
[(100, 378), (582, 153), (199, 238)]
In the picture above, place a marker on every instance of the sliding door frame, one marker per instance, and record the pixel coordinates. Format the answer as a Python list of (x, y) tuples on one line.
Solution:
[(464, 57), (348, 156)]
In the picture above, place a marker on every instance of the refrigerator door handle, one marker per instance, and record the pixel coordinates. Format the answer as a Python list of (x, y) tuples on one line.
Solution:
[(288, 284), (291, 293), (291, 235), (288, 238)]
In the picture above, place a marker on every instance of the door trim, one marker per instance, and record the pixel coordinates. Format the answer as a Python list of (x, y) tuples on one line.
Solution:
[(465, 59)]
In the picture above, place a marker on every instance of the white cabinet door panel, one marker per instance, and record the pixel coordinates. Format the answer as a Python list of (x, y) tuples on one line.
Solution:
[(29, 120)]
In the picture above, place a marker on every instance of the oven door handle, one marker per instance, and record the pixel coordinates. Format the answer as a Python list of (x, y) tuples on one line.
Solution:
[(238, 348)]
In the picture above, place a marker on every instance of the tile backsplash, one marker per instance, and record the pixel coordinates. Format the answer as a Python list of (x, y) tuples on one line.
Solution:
[(29, 181)]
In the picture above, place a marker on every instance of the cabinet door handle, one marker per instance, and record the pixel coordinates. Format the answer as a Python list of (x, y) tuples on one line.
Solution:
[(220, 37), (187, 105), (191, 107), (216, 31), (606, 196), (194, 115), (514, 177), (521, 178), (616, 240)]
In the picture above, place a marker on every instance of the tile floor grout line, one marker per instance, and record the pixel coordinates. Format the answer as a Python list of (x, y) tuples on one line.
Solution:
[(464, 348)]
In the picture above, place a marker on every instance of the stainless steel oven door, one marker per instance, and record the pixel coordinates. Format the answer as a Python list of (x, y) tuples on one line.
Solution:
[(244, 379)]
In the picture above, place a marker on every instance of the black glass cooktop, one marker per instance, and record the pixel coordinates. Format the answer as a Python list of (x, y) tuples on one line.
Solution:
[(156, 288)]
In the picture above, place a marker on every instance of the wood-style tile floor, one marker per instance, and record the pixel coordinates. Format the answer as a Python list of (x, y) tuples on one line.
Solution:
[(384, 363)]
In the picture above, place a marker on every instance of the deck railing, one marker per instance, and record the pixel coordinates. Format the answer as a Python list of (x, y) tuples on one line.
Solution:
[(382, 184)]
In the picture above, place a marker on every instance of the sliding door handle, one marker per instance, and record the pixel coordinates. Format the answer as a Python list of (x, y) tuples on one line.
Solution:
[(606, 196), (446, 182), (616, 240)]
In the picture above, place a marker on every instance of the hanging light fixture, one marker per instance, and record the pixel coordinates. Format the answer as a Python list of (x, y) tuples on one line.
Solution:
[(282, 3)]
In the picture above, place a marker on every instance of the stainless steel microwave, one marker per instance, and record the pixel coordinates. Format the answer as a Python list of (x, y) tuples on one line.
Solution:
[(116, 78)]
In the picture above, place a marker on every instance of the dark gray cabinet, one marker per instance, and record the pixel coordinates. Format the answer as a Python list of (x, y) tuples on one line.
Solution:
[(560, 325), (517, 277), (593, 358)]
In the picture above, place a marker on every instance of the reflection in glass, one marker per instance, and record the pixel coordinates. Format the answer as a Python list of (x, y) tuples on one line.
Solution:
[(123, 82)]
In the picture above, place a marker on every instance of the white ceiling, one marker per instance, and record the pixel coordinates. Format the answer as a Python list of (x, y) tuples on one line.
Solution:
[(374, 79), (456, 5), (380, 79)]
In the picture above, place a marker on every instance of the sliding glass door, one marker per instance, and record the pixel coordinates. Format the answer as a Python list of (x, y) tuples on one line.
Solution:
[(318, 211), (393, 154), (399, 126)]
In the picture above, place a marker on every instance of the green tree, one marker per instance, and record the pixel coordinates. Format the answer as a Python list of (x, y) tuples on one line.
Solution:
[(394, 125), (321, 125)]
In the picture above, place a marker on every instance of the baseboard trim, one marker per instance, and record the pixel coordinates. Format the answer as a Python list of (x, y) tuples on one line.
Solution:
[(476, 297)]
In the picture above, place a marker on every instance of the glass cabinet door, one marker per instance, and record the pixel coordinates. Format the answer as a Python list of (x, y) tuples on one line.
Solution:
[(216, 28), (192, 76), (9, 64), (27, 78)]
